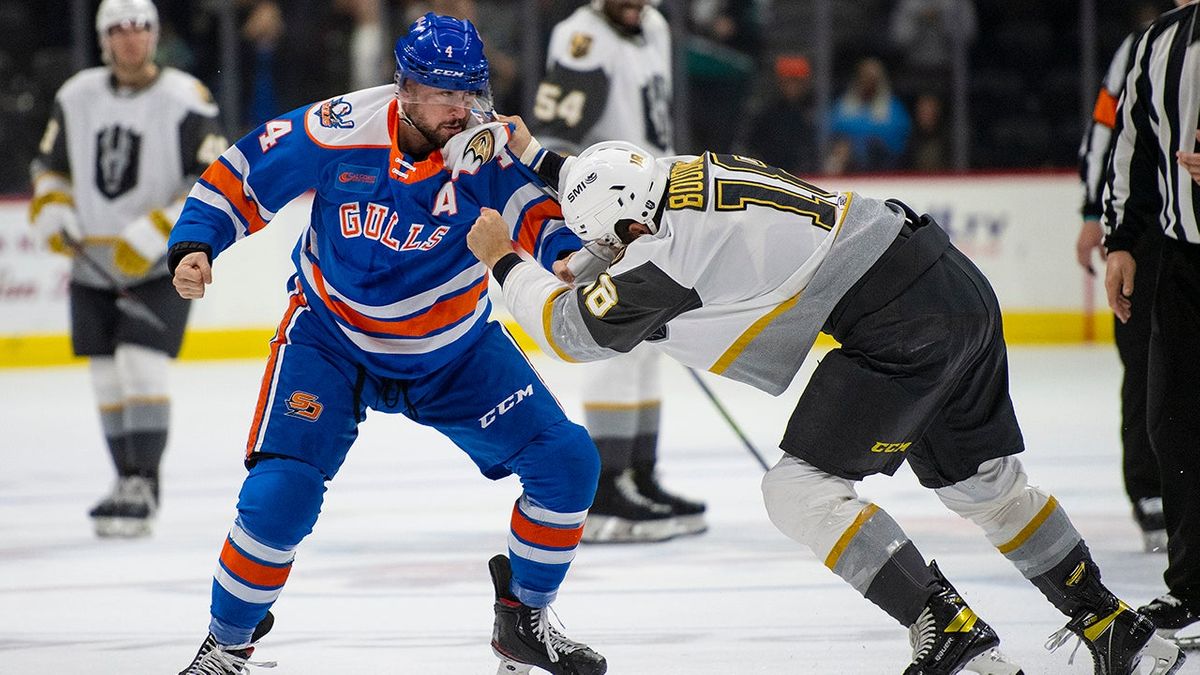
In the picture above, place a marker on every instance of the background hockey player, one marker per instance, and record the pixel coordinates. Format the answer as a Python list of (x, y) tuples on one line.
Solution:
[(609, 77), (124, 143), (388, 311), (734, 266)]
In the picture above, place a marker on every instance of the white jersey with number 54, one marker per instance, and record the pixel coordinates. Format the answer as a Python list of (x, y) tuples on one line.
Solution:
[(602, 85)]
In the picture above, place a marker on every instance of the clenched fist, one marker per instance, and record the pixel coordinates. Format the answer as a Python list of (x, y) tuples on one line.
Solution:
[(191, 275), (489, 239)]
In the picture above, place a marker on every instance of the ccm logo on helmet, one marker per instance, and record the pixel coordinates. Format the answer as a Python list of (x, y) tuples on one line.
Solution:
[(505, 405), (578, 189)]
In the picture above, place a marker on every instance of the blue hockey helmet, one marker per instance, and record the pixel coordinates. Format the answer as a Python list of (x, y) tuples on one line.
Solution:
[(442, 52)]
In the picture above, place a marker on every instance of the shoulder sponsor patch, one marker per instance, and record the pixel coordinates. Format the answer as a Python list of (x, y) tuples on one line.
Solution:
[(581, 44), (355, 178)]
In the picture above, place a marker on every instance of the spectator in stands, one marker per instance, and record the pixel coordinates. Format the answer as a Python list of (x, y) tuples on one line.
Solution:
[(723, 58), (869, 124), (926, 34), (929, 148), (784, 132)]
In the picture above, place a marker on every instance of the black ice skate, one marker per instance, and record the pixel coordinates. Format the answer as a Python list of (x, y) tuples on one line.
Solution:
[(524, 638), (619, 514), (215, 659), (1148, 512), (948, 637), (687, 514), (129, 510), (1119, 638), (1170, 615)]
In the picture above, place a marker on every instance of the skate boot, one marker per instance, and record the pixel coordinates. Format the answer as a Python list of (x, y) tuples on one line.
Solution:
[(620, 515), (687, 514), (1170, 615), (215, 659), (524, 638), (129, 510), (1119, 638), (948, 637), (1148, 512)]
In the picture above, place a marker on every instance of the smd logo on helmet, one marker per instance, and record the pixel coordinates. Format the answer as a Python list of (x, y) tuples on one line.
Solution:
[(583, 185)]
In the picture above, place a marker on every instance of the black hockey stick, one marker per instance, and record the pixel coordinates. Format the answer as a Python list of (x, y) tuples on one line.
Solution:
[(712, 397), (127, 301)]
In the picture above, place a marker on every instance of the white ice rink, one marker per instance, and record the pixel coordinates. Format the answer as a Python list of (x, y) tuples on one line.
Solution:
[(394, 579)]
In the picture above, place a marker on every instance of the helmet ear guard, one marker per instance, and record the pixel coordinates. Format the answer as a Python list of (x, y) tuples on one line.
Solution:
[(609, 183)]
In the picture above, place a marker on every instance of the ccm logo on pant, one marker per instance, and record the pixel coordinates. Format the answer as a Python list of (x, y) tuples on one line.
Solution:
[(505, 405)]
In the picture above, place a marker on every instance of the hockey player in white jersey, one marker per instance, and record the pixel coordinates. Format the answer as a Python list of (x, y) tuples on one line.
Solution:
[(608, 76), (123, 146), (734, 266)]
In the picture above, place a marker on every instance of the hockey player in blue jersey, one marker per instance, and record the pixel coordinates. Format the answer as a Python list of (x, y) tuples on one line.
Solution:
[(388, 311)]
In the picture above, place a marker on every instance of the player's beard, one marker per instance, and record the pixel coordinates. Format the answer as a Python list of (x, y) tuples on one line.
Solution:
[(437, 136)]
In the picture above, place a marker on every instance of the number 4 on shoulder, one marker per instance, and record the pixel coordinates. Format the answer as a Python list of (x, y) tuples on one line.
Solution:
[(274, 130)]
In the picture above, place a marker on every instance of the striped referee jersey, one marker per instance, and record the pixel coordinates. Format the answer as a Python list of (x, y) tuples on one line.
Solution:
[(1159, 115)]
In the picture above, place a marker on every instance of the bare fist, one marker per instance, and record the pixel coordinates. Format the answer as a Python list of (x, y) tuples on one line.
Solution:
[(191, 276), (489, 237)]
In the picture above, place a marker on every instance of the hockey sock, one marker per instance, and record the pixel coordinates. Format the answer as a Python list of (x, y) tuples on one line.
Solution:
[(142, 373), (903, 585), (1073, 583), (106, 387), (277, 508), (645, 442)]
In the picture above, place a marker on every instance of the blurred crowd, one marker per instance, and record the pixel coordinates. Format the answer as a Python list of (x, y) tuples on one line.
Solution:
[(749, 67)]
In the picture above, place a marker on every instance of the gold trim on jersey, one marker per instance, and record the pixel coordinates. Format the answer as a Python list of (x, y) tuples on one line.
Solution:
[(547, 315), (739, 345), (52, 197)]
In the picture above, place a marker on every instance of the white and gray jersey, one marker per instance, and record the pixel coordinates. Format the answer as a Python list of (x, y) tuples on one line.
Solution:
[(1097, 142), (746, 266), (1158, 116), (602, 84), (120, 154)]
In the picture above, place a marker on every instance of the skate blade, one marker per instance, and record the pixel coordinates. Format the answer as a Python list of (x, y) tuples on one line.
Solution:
[(1161, 656), (510, 667), (600, 529), (993, 662), (690, 525), (123, 527)]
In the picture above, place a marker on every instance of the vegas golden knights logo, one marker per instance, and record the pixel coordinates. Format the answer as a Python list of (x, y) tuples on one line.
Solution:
[(581, 44), (117, 152)]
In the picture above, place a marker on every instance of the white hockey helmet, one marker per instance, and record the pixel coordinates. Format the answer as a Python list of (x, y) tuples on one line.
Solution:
[(611, 182), (113, 13)]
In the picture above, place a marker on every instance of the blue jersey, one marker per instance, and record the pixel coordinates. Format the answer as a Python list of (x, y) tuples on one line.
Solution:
[(384, 261)]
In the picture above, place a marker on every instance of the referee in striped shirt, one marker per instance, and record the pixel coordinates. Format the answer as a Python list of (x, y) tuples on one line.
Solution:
[(1150, 186)]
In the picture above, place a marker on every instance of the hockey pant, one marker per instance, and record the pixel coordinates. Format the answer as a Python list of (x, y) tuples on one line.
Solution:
[(622, 406), (863, 545), (489, 401)]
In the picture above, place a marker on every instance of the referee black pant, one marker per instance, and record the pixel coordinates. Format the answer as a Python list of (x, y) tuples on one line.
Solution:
[(1139, 466), (1174, 410)]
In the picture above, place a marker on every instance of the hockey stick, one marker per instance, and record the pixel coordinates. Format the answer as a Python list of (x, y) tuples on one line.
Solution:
[(712, 397), (127, 302)]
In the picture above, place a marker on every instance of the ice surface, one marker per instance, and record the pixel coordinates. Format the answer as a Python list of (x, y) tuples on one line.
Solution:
[(394, 579)]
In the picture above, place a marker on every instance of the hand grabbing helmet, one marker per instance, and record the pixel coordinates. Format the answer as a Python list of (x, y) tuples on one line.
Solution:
[(608, 183)]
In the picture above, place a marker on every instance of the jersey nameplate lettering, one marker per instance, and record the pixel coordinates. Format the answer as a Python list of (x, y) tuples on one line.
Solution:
[(687, 187)]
